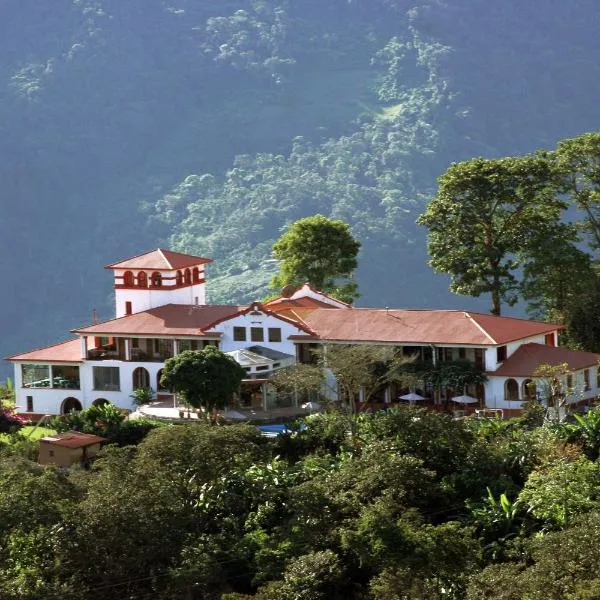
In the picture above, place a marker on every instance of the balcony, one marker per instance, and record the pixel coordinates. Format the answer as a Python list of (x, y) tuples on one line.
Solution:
[(140, 350)]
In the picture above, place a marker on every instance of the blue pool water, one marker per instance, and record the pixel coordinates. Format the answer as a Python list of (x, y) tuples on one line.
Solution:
[(277, 429)]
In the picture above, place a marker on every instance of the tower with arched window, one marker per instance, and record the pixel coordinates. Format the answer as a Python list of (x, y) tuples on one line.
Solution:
[(157, 278)]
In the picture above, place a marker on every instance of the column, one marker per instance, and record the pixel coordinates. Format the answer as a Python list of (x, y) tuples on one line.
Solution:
[(127, 349), (83, 341)]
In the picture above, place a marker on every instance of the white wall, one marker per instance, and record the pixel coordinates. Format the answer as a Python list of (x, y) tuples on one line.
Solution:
[(49, 400), (494, 389), (260, 320), (146, 298)]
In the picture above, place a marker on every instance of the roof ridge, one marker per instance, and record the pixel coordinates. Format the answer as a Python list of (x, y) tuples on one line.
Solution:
[(480, 327), (160, 251)]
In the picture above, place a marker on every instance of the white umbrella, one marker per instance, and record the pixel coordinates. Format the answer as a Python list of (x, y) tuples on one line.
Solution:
[(464, 399), (234, 415), (411, 397), (312, 406)]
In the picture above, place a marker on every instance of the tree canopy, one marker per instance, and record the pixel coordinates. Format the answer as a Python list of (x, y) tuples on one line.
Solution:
[(485, 219), (320, 251), (205, 378)]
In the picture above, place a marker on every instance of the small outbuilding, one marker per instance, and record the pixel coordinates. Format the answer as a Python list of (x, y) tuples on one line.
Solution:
[(66, 449)]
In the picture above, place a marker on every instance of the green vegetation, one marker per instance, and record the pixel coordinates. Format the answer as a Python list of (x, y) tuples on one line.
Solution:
[(227, 121), (405, 504), (205, 379)]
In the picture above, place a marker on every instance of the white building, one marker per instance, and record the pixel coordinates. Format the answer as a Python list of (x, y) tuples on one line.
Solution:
[(161, 311)]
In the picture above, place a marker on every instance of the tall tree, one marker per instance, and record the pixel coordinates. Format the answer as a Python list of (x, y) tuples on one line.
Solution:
[(579, 162), (321, 251), (485, 218), (205, 379)]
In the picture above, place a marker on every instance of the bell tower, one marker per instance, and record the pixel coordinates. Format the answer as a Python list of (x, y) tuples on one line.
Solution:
[(157, 278)]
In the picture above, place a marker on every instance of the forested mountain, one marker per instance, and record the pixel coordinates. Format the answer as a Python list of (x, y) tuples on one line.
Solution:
[(207, 126)]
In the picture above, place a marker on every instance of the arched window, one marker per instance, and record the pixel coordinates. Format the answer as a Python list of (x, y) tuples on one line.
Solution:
[(188, 276), (511, 390), (156, 279), (70, 405), (179, 278), (529, 389), (196, 274), (100, 402), (128, 278), (142, 279), (141, 378), (159, 387)]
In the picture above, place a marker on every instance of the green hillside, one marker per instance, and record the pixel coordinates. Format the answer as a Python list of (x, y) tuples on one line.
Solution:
[(207, 126)]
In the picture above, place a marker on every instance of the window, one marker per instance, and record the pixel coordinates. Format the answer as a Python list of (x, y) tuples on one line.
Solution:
[(196, 300), (184, 345), (35, 376), (142, 279), (262, 368), (479, 361), (274, 334), (549, 339), (569, 382), (50, 453), (196, 275), (128, 308), (500, 353), (29, 403), (128, 279), (156, 279), (462, 353), (512, 390), (135, 342), (447, 354), (586, 380), (257, 334), (107, 379), (188, 276), (239, 334), (65, 377), (179, 278)]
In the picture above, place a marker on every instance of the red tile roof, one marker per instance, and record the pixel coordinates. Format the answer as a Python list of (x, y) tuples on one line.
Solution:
[(160, 259), (527, 358), (418, 326), (280, 304), (69, 351), (171, 319), (73, 439)]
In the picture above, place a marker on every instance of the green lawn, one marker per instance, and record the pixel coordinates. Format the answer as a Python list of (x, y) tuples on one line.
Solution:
[(28, 432)]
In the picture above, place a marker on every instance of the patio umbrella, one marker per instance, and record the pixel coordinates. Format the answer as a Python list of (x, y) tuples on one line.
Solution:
[(412, 397), (464, 399), (234, 415), (312, 406)]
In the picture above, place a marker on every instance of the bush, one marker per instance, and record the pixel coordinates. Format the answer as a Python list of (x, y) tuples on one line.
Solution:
[(106, 421), (10, 422)]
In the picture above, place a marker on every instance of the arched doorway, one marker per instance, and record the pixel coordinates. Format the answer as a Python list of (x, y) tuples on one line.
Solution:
[(100, 402), (141, 378), (511, 390), (161, 388), (128, 279), (70, 405), (142, 279)]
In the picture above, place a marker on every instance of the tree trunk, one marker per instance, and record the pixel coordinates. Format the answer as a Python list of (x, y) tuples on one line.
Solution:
[(496, 302)]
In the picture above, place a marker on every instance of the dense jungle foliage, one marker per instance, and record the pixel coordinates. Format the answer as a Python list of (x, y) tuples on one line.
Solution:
[(207, 126), (407, 504)]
